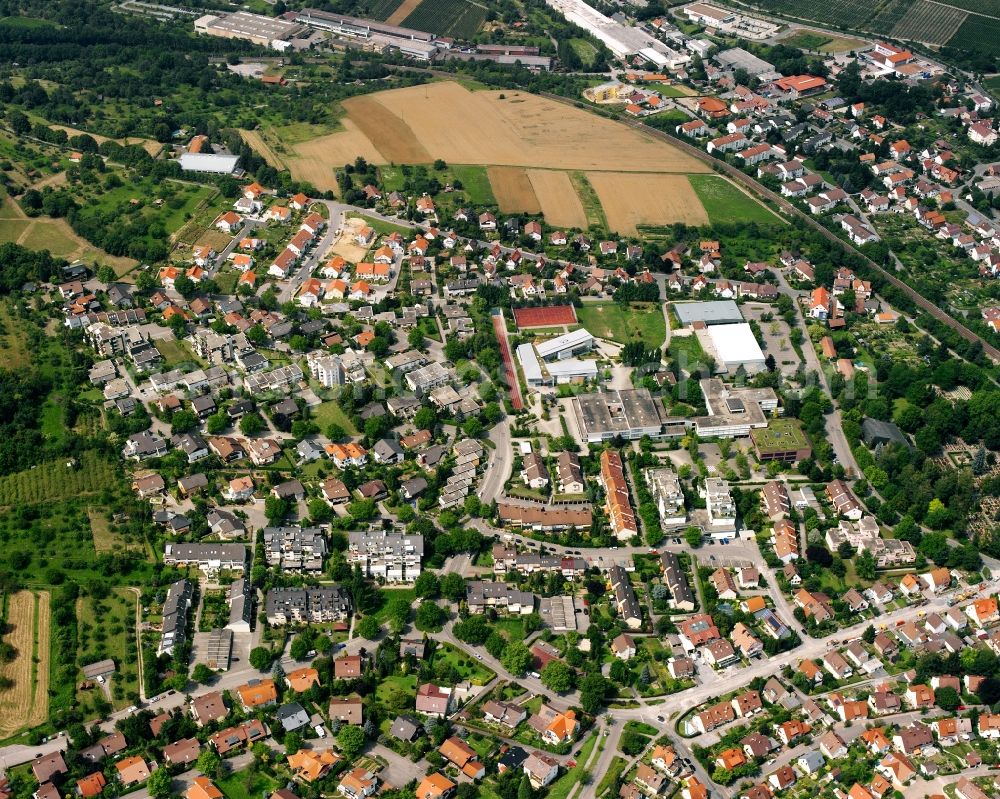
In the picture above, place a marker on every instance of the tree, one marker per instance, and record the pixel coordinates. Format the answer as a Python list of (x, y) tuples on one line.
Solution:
[(868, 636), (594, 690), (276, 508), (182, 421), (293, 743), (260, 658), (425, 418), (251, 424), (865, 565), (368, 628), (426, 585), (692, 537), (516, 658), (160, 784), (202, 674), (106, 274), (453, 587), (415, 338), (557, 676), (474, 630), (209, 763), (300, 648), (947, 699), (351, 740), (216, 423), (619, 672), (430, 617)]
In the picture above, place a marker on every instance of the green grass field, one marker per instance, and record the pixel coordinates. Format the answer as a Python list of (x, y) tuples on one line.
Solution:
[(384, 228), (470, 669), (15, 352), (174, 352), (246, 784), (592, 207), (608, 779), (725, 202), (11, 229), (622, 324), (584, 50), (475, 183), (806, 40), (389, 594), (329, 413), (407, 684)]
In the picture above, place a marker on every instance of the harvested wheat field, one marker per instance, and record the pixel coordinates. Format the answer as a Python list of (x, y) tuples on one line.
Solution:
[(16, 702), (318, 159), (40, 705), (513, 190), (631, 199), (445, 120), (558, 199), (388, 128), (256, 140), (406, 8)]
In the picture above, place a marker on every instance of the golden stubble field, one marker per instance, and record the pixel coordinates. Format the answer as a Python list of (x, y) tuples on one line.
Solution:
[(631, 199), (513, 190), (446, 120), (26, 703), (559, 201), (529, 143)]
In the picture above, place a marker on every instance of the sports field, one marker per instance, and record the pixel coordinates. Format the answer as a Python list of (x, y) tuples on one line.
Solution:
[(545, 316)]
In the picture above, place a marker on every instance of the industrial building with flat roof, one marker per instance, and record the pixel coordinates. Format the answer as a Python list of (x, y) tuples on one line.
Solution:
[(732, 347), (569, 370), (715, 312), (209, 162), (738, 58), (627, 413), (566, 345), (622, 40), (266, 31), (410, 42)]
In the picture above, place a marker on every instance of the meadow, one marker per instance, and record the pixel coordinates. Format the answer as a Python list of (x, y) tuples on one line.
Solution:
[(616, 322), (724, 202)]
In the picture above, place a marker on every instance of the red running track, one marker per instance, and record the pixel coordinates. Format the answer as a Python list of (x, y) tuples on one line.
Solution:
[(500, 328)]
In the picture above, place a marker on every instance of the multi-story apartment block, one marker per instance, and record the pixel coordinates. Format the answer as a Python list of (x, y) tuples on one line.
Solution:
[(483, 594), (295, 549), (665, 486), (719, 501), (175, 612), (393, 556), (302, 605)]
